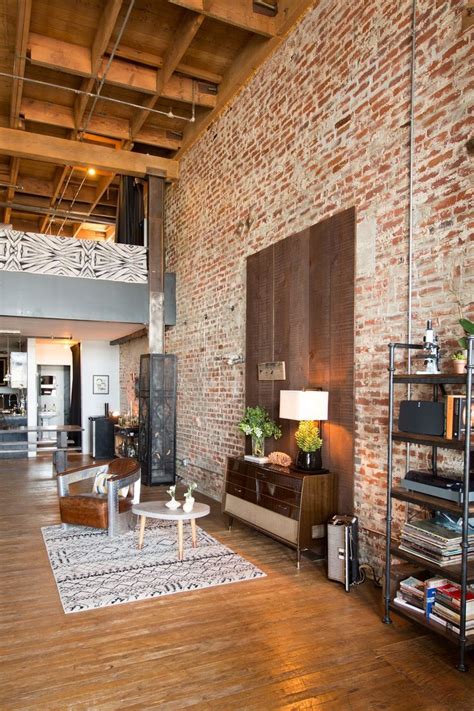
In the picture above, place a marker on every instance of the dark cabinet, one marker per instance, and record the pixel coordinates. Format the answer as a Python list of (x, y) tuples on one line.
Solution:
[(288, 505)]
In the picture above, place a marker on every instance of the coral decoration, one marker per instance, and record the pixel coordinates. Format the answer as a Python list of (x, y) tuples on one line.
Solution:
[(280, 458)]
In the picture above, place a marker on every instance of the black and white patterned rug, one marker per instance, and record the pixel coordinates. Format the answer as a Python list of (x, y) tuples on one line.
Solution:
[(93, 570)]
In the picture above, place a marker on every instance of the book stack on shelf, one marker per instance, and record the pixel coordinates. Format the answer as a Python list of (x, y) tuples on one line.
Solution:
[(446, 610), (434, 542), (455, 417), (417, 595)]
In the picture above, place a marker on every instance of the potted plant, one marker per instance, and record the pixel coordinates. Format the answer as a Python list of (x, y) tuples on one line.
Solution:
[(189, 498), (459, 362), (468, 327), (309, 444), (257, 423)]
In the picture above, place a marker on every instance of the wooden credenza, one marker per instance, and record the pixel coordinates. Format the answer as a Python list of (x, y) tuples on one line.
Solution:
[(291, 506)]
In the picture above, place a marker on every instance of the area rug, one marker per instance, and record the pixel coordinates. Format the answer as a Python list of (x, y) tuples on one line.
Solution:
[(93, 570)]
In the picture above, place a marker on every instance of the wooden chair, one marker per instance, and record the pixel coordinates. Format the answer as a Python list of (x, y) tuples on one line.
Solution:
[(108, 511)]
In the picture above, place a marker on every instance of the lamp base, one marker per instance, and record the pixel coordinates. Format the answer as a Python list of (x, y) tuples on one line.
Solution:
[(309, 461)]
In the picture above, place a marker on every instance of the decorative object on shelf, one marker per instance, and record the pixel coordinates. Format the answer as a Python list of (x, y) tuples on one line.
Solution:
[(279, 458), (257, 423), (100, 384), (307, 406), (468, 327), (172, 504), (189, 498), (431, 348), (459, 360)]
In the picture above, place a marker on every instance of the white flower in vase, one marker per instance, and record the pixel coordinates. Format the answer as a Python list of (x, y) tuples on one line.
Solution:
[(172, 504), (189, 499)]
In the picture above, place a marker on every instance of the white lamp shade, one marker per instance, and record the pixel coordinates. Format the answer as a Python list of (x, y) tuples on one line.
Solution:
[(303, 405)]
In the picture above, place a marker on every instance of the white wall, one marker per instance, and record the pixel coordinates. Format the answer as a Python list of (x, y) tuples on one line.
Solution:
[(98, 358), (53, 354)]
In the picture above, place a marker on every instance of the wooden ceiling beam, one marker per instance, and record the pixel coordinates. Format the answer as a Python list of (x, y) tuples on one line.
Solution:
[(153, 60), (15, 167), (19, 62), (250, 59), (58, 182), (238, 13), (45, 188), (70, 58), (61, 151), (99, 45), (61, 116), (177, 50), (21, 43)]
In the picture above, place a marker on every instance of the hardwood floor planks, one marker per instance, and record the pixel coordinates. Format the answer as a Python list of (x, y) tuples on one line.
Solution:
[(293, 640)]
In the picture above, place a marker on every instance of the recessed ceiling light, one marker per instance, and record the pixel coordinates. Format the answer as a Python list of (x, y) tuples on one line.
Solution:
[(91, 171)]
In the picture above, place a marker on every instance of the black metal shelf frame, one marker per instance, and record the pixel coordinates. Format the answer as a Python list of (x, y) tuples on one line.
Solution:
[(462, 573)]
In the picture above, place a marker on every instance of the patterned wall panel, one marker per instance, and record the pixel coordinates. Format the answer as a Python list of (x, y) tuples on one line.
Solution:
[(66, 256)]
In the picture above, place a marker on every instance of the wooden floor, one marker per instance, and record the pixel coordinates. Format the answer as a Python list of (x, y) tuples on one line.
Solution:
[(292, 640)]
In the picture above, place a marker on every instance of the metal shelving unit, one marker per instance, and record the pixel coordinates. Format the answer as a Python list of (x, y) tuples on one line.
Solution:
[(463, 573)]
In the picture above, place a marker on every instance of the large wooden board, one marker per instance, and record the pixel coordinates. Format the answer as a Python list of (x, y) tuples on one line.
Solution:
[(300, 310)]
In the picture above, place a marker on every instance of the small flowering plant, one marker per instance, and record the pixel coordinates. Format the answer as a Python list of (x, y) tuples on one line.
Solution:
[(257, 423), (190, 490), (171, 491)]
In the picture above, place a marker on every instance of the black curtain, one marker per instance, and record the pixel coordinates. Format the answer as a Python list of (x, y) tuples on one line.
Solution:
[(130, 212), (75, 413)]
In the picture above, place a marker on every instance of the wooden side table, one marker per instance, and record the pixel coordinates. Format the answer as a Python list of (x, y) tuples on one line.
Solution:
[(159, 510)]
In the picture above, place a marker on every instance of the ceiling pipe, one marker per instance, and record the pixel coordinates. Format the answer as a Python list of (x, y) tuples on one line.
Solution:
[(73, 216), (84, 129), (91, 94)]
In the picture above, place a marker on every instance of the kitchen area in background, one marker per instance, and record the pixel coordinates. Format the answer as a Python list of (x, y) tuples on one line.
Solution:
[(36, 382)]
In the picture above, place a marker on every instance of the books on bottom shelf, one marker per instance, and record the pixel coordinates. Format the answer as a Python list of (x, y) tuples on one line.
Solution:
[(433, 542), (437, 600)]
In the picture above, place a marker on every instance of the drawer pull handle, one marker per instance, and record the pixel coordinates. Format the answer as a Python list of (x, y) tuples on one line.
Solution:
[(239, 491)]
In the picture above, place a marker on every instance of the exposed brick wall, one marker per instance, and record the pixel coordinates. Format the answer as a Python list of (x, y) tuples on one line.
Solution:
[(321, 127)]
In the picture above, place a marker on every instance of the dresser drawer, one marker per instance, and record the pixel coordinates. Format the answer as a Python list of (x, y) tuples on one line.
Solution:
[(277, 478), (240, 467), (279, 507), (240, 479), (241, 492), (280, 493)]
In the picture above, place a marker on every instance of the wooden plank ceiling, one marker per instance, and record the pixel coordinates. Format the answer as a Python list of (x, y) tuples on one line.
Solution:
[(120, 86)]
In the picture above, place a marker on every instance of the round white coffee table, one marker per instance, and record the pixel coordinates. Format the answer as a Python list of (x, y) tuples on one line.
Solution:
[(158, 509)]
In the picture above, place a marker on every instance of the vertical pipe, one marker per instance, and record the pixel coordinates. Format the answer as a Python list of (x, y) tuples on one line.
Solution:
[(465, 514), (391, 370), (411, 162)]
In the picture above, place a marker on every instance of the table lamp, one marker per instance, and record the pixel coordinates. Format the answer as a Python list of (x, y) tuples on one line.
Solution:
[(309, 407)]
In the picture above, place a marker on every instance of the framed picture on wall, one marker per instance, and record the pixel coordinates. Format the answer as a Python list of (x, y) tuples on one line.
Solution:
[(100, 384)]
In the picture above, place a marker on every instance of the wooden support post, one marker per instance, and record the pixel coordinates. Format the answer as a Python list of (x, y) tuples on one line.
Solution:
[(156, 264)]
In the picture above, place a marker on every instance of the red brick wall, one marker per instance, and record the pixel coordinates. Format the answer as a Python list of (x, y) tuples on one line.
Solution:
[(321, 127)]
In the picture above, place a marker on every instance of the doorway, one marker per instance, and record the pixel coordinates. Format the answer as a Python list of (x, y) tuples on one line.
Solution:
[(54, 395)]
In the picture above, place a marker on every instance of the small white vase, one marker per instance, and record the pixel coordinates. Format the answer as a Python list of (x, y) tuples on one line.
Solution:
[(173, 504), (188, 504)]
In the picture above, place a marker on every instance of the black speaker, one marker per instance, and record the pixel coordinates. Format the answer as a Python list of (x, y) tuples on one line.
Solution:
[(421, 417)]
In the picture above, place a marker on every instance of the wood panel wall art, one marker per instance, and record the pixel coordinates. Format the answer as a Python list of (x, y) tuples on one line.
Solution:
[(300, 310)]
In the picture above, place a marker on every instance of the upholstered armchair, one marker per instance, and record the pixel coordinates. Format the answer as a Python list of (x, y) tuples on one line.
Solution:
[(111, 510)]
